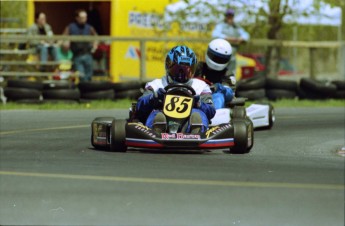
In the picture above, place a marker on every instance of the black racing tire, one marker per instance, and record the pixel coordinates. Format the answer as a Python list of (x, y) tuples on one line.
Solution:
[(322, 89), (276, 94), (306, 94), (250, 135), (118, 136), (107, 120), (95, 86), (272, 83), (99, 95), (14, 94), (25, 84), (258, 82), (126, 86), (238, 112), (340, 84), (29, 101), (130, 94), (271, 117), (255, 94), (62, 94), (62, 84), (340, 94), (57, 101), (240, 137)]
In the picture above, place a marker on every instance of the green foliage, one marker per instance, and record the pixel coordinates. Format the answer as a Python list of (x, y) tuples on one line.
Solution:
[(16, 11)]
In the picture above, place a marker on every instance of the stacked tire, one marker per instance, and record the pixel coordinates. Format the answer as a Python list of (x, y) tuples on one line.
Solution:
[(128, 90), (316, 90), (252, 88), (340, 93), (60, 91), (281, 89), (23, 91), (96, 90)]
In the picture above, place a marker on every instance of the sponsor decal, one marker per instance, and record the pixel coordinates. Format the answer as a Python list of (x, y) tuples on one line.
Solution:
[(133, 53), (143, 128), (145, 20), (180, 136), (216, 130)]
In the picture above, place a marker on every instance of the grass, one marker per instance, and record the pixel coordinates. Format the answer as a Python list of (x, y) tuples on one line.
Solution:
[(126, 103)]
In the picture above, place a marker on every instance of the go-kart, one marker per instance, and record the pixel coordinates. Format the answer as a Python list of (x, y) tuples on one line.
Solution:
[(261, 114), (236, 136)]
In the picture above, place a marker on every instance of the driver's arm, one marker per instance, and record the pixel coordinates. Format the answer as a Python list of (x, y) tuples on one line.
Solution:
[(144, 105), (206, 104)]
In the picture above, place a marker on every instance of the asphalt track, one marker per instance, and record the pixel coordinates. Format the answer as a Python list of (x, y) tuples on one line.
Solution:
[(49, 174)]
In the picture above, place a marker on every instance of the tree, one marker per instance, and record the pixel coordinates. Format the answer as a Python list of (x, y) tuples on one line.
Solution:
[(266, 16)]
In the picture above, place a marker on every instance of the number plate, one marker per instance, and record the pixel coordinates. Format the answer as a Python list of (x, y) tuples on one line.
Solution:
[(177, 106)]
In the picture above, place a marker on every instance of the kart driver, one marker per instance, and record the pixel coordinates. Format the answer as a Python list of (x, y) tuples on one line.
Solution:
[(180, 64), (214, 71)]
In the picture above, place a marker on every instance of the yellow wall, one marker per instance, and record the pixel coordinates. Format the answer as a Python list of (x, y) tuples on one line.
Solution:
[(134, 18)]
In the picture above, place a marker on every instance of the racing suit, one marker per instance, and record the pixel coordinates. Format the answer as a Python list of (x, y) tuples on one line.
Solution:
[(225, 30), (146, 107), (221, 81)]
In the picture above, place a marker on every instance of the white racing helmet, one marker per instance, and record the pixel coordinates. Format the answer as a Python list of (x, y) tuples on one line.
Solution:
[(218, 54)]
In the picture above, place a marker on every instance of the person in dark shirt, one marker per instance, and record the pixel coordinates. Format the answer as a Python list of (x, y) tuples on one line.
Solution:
[(214, 71), (82, 51)]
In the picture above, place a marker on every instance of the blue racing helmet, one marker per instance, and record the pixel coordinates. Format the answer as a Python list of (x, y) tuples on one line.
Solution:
[(180, 64)]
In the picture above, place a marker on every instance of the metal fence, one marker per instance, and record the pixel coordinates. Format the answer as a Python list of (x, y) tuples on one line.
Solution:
[(310, 47)]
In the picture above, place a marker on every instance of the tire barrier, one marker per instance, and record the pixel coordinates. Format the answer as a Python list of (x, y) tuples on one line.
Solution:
[(94, 86), (276, 94), (281, 89), (314, 89), (257, 82), (252, 88), (54, 84), (99, 95), (256, 88), (61, 94), (129, 94), (25, 84), (22, 94), (255, 94)]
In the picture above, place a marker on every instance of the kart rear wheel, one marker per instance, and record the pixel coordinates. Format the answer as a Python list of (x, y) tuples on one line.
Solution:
[(118, 136), (241, 135), (271, 117), (250, 135)]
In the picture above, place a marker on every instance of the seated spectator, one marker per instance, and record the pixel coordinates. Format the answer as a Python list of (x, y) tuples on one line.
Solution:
[(43, 48), (64, 52), (65, 55)]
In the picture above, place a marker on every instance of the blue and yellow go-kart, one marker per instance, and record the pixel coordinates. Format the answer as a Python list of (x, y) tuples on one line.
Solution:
[(118, 135)]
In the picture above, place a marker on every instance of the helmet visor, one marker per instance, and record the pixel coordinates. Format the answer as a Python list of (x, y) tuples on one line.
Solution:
[(181, 73), (218, 57)]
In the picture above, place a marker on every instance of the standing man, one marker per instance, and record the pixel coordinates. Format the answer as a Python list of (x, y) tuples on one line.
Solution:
[(43, 48), (82, 51), (233, 33)]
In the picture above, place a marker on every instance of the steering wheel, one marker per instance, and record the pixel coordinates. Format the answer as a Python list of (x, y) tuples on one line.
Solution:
[(180, 87)]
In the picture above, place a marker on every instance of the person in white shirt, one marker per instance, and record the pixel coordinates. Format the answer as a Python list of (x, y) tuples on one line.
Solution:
[(233, 33)]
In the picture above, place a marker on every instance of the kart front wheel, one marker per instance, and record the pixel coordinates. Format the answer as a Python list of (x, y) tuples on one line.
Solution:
[(118, 136), (242, 136)]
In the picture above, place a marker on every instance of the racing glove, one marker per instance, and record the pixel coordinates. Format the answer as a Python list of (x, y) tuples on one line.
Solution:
[(205, 104), (158, 98), (197, 102), (225, 90)]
